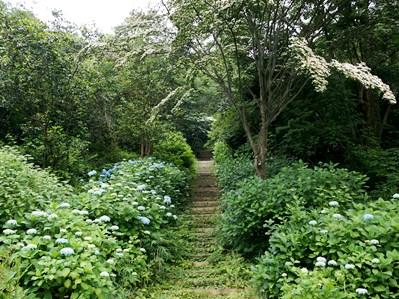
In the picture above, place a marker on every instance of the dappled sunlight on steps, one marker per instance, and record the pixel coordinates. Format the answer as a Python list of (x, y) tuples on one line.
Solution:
[(207, 273)]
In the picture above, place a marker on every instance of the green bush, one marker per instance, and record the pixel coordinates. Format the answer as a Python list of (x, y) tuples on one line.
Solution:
[(59, 253), (333, 253), (379, 165), (24, 187), (231, 168), (256, 207), (101, 243), (173, 148)]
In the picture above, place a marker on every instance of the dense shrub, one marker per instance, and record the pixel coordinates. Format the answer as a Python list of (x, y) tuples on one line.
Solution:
[(253, 210), (333, 253), (379, 165), (97, 244), (231, 168), (24, 187), (173, 148)]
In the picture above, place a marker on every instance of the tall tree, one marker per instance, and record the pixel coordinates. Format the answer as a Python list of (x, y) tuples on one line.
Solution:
[(245, 46)]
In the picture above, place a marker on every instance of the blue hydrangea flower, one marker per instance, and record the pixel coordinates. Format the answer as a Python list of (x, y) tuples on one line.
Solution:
[(141, 187), (143, 219), (167, 199), (368, 217), (61, 241)]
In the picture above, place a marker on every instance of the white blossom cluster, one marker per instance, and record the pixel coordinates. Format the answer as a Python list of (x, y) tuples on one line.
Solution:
[(361, 72), (319, 69), (315, 65)]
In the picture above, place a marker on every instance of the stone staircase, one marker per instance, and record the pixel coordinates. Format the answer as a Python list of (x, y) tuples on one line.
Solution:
[(203, 277)]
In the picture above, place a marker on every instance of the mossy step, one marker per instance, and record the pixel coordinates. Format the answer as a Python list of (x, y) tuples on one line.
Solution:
[(205, 210), (201, 197), (199, 282), (205, 203)]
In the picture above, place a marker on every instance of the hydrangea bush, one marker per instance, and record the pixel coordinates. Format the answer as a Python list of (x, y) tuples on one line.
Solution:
[(257, 207), (333, 252), (24, 187), (96, 244)]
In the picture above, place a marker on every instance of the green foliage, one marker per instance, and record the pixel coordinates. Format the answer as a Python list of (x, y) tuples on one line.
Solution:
[(379, 165), (231, 168), (256, 207), (331, 252), (173, 148), (24, 188), (94, 244)]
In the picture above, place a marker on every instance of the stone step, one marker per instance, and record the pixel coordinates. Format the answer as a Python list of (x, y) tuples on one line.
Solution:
[(205, 210), (206, 189), (198, 282), (205, 203), (204, 198)]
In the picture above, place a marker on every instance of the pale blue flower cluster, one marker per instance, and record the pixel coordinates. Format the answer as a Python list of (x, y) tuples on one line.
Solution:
[(368, 217), (167, 199), (143, 220), (61, 241), (141, 187), (91, 173)]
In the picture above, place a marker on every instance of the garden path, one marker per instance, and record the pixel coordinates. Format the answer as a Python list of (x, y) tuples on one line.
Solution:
[(207, 272)]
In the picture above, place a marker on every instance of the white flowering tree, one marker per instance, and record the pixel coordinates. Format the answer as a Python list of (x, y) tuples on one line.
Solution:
[(246, 47)]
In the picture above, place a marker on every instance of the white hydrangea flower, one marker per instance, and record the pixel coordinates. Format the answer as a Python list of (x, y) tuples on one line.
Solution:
[(332, 263), (67, 251), (304, 271), (89, 221), (320, 264), (39, 214), (104, 274), (169, 214), (63, 230), (88, 238), (12, 222), (78, 234), (361, 291), (374, 242), (105, 218), (91, 246), (349, 266), (52, 216), (333, 203), (83, 212), (375, 261), (140, 208), (321, 259), (64, 205), (110, 261), (47, 237), (75, 211), (338, 216), (31, 231), (9, 231), (118, 250), (312, 222), (395, 196), (114, 227), (29, 247)]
